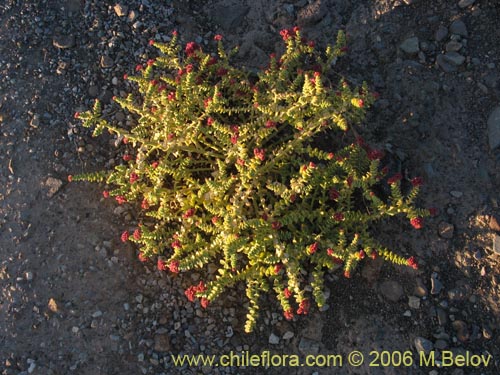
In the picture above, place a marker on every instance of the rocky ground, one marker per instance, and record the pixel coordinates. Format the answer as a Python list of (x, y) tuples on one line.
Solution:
[(76, 300)]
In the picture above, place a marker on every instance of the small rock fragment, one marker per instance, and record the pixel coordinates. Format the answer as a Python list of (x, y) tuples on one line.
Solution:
[(121, 10), (441, 33), (458, 27), (436, 285), (106, 62), (441, 316), (288, 335), (308, 346), (456, 194), (461, 330), (446, 230), (494, 128), (162, 342), (423, 345), (54, 185), (414, 302), (454, 58), (420, 288), (274, 339), (465, 3), (410, 46), (391, 290), (453, 46), (63, 41)]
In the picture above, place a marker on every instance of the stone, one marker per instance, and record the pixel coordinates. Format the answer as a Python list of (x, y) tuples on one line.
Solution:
[(458, 294), (410, 46), (308, 346), (441, 316), (52, 305), (106, 62), (423, 345), (465, 3), (454, 58), (121, 10), (230, 17), (494, 128), (436, 285), (445, 230), (391, 290), (312, 13), (496, 244), (273, 339), (53, 184), (440, 344), (453, 46), (63, 41), (444, 64), (288, 335), (93, 91), (441, 34), (162, 342), (456, 194), (461, 330), (414, 302), (420, 288), (458, 27)]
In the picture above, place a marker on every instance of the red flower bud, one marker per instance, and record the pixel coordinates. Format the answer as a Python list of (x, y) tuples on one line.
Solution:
[(287, 293), (395, 179), (417, 222), (313, 248), (417, 181), (70, 178), (412, 262), (218, 37), (137, 234), (105, 194), (161, 265), (174, 266), (288, 314), (259, 153), (204, 302), (277, 268), (124, 236)]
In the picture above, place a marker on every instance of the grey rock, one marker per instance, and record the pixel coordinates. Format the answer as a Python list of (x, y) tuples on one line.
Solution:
[(461, 330), (458, 294), (414, 302), (465, 3), (289, 8), (93, 91), (229, 17), (496, 243), (391, 290), (28, 276), (63, 41), (458, 27), (453, 46), (423, 345), (456, 194), (446, 230), (494, 128), (273, 339), (454, 58), (53, 184), (444, 64), (436, 285), (410, 46), (420, 288), (106, 62), (288, 335), (441, 33), (308, 346), (441, 316), (312, 13), (121, 10), (440, 344), (162, 342)]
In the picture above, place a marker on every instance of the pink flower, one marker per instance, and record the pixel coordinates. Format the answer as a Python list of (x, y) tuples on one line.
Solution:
[(124, 236), (189, 68), (417, 181), (394, 179), (191, 48), (215, 219), (201, 287), (127, 157), (313, 248), (77, 115), (240, 162), (417, 222), (347, 274), (210, 121), (121, 199), (161, 265), (150, 62), (171, 96), (175, 33), (151, 42), (259, 153), (218, 37), (138, 67), (329, 251), (287, 293), (412, 262), (133, 177), (145, 204), (190, 293), (234, 139), (174, 266)]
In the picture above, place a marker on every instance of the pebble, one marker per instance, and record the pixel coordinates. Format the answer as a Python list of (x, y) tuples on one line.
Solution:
[(63, 41), (446, 230), (494, 128), (440, 344), (496, 244), (456, 194), (461, 330), (97, 314), (458, 294), (274, 339), (465, 3), (444, 64), (420, 288), (441, 316), (308, 346), (453, 46), (414, 302), (458, 27), (423, 345), (288, 335), (392, 290), (410, 46), (106, 62), (441, 33), (436, 285), (53, 185), (454, 58), (162, 342), (28, 276), (121, 10), (93, 91)]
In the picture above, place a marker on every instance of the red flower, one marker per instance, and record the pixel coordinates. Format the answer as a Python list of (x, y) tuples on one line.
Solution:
[(277, 268), (311, 43), (212, 61), (204, 302), (125, 76), (375, 155), (313, 248), (189, 68), (234, 139), (374, 254), (145, 204), (412, 262), (330, 156), (218, 37), (304, 306), (394, 179), (287, 293), (329, 251), (70, 178), (176, 244), (188, 213), (206, 102), (288, 314), (312, 165), (77, 115), (127, 157), (210, 121), (175, 33), (174, 266), (259, 153), (150, 62), (221, 72), (333, 194), (338, 216), (151, 42), (190, 293), (191, 48), (124, 236), (142, 258), (344, 49), (337, 260), (121, 199), (201, 287), (137, 234), (171, 96), (349, 181), (347, 274), (285, 34), (417, 222), (105, 194), (293, 197), (270, 124), (433, 211), (153, 82), (161, 265), (240, 162), (215, 219), (133, 177), (361, 254), (417, 181), (276, 225), (138, 67)]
